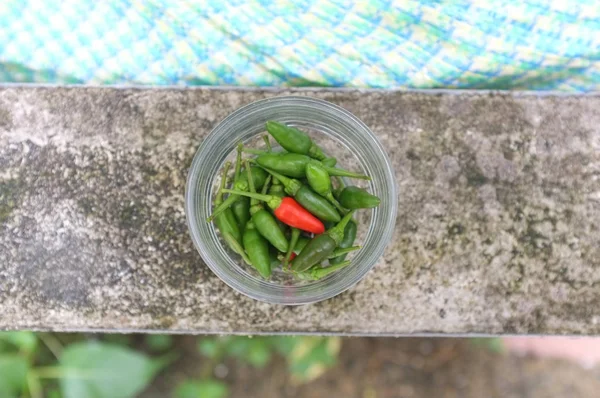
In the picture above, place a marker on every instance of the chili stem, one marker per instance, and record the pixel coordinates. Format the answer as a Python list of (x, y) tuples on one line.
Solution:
[(238, 162), (254, 151), (293, 241), (267, 142), (236, 247)]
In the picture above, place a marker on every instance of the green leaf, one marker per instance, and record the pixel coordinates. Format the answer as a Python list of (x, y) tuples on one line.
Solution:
[(159, 342), (312, 356), (98, 370), (54, 393), (24, 341), (254, 350), (284, 344), (259, 353), (209, 347), (238, 346), (13, 375), (117, 338), (202, 389)]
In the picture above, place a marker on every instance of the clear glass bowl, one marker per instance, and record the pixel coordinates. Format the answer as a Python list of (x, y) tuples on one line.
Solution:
[(341, 135)]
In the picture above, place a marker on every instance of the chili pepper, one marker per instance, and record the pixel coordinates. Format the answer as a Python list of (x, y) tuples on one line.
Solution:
[(336, 253), (312, 202), (318, 272), (236, 247), (294, 165), (276, 188), (241, 207), (321, 246), (294, 140), (358, 198), (241, 185), (264, 221), (347, 241), (329, 162), (257, 249), (274, 257), (289, 211), (320, 182), (342, 251), (241, 210), (302, 242), (226, 222), (290, 251)]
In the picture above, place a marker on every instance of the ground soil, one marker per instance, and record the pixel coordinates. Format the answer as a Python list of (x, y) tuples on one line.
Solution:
[(402, 367)]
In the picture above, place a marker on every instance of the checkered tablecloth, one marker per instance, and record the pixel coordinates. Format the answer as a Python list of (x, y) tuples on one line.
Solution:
[(512, 44)]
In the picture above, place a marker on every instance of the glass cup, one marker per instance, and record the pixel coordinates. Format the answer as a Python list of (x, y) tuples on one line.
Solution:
[(341, 135)]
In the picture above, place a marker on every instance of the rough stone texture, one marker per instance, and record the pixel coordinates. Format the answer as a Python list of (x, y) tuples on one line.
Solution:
[(498, 228)]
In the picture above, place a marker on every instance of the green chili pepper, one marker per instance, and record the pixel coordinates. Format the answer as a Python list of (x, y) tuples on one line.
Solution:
[(358, 198), (320, 182), (318, 272), (315, 204), (301, 244), (321, 246), (293, 242), (329, 224), (347, 241), (329, 162), (276, 189), (336, 253), (241, 210), (236, 247), (264, 221), (294, 165), (257, 249), (226, 222), (342, 251), (274, 257), (241, 207), (294, 140), (258, 176)]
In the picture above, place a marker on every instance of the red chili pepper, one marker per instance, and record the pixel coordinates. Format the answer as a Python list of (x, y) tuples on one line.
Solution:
[(288, 211)]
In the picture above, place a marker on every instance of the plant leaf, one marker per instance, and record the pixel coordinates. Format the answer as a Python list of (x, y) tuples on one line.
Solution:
[(202, 389), (312, 356), (254, 350), (259, 352), (159, 342), (117, 338), (209, 347), (25, 341), (98, 370), (284, 344), (13, 375)]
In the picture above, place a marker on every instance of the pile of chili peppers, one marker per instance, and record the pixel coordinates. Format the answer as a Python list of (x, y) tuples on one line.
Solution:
[(282, 208)]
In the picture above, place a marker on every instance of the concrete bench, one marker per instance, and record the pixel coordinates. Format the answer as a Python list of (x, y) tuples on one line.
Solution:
[(497, 231)]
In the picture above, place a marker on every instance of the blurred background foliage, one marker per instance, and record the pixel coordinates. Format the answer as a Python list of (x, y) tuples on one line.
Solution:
[(118, 366)]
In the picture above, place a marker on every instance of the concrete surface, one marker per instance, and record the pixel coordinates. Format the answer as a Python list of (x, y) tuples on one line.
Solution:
[(497, 232)]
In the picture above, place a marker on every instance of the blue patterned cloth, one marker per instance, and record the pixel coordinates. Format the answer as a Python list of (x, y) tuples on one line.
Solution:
[(513, 44)]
